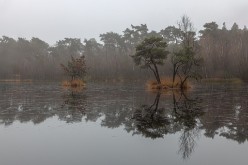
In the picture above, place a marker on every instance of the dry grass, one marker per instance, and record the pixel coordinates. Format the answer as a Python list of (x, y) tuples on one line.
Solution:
[(167, 83), (74, 83), (223, 80), (17, 80)]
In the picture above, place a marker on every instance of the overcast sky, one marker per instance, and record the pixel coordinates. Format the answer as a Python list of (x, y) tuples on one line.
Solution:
[(53, 20)]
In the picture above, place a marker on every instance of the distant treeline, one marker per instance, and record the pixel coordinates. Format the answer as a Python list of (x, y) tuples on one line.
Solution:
[(225, 54)]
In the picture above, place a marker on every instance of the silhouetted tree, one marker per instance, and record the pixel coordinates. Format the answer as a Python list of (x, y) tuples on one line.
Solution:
[(186, 65), (150, 53), (185, 61)]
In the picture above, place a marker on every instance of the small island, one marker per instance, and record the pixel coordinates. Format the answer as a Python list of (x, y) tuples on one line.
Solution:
[(186, 64), (76, 70)]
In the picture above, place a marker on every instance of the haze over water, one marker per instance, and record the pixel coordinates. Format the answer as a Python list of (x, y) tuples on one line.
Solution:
[(127, 82), (122, 124)]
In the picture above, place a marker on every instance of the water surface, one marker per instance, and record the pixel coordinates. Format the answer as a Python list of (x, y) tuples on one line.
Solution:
[(42, 123)]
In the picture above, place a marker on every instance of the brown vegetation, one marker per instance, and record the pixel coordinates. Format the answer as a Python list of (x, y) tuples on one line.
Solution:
[(74, 83), (222, 80), (16, 80), (166, 84)]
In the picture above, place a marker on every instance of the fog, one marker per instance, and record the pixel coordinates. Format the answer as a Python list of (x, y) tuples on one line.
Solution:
[(52, 20), (37, 36)]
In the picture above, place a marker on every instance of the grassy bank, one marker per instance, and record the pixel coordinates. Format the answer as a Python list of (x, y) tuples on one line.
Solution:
[(223, 80), (166, 84), (16, 80), (73, 83)]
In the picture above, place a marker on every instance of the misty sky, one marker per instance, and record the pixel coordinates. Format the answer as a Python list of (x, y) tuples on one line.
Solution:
[(53, 20)]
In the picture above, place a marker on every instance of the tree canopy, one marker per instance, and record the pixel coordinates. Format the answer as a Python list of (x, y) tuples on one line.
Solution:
[(223, 49), (150, 53)]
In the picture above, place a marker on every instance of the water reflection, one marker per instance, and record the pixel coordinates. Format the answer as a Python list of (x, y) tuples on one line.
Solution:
[(187, 112), (208, 111), (17, 104), (227, 114), (151, 120), (74, 107)]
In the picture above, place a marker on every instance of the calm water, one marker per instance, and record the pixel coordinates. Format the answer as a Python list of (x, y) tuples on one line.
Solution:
[(44, 124)]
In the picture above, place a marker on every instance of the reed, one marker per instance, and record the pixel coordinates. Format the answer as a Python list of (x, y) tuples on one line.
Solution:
[(166, 84), (74, 83), (224, 80)]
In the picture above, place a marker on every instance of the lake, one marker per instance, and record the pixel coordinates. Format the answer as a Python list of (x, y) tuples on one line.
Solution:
[(45, 124)]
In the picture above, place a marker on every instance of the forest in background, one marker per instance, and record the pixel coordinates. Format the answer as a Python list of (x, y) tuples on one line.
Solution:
[(224, 51)]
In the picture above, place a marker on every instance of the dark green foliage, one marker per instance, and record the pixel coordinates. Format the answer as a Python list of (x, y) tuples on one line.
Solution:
[(184, 60), (151, 50), (150, 53), (171, 34), (135, 35), (187, 64), (210, 27)]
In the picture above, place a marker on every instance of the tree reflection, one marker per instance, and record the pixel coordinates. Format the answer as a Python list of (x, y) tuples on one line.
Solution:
[(186, 113), (74, 107), (227, 113), (153, 121), (186, 110), (150, 120)]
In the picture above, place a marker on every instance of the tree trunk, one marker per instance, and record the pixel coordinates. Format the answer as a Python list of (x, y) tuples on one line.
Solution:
[(157, 74), (174, 75), (156, 102), (183, 82)]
